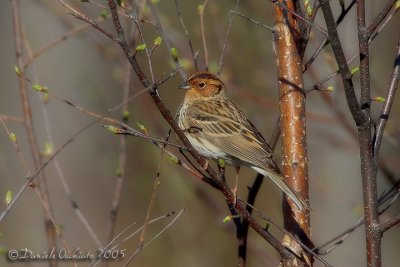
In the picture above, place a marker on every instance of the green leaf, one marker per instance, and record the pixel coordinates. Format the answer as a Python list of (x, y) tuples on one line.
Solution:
[(17, 70), (120, 2), (140, 47), (174, 53), (9, 197), (13, 137), (306, 3), (158, 40), (397, 5), (155, 1)]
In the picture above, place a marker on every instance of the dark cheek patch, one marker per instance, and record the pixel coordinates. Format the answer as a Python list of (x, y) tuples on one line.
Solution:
[(219, 86)]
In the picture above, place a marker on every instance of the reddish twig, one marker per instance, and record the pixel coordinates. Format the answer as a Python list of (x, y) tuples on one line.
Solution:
[(368, 165), (27, 113)]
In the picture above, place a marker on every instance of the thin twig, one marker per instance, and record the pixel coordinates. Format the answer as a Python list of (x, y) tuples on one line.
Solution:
[(252, 20), (389, 224), (380, 18), (333, 37), (11, 118), (368, 166), (194, 55), (42, 50), (203, 34), (28, 123), (283, 6), (165, 38), (325, 41), (393, 195), (80, 16), (60, 174), (34, 176), (156, 236), (112, 247), (269, 220), (387, 106), (221, 58), (122, 157)]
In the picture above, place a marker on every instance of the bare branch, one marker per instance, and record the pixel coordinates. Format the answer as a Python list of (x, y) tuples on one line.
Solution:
[(380, 18), (194, 55), (333, 38), (203, 34), (221, 58), (391, 92)]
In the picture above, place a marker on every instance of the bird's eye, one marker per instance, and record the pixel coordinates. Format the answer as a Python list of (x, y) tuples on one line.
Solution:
[(202, 85)]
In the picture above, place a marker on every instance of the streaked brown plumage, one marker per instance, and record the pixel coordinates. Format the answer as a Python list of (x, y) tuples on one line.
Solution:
[(218, 129)]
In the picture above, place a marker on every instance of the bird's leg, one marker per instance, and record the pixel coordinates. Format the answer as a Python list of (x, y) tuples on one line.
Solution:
[(234, 190)]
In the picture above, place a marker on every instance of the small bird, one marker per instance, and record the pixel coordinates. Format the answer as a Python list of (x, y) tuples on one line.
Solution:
[(218, 129)]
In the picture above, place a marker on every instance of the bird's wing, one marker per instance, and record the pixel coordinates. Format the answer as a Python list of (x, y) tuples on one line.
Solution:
[(224, 125)]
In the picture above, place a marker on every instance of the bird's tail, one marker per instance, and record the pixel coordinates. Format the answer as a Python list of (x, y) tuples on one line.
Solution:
[(285, 187)]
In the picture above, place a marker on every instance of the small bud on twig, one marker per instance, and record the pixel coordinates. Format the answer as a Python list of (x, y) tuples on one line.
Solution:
[(17, 70), (378, 99), (9, 197), (174, 53), (140, 47), (40, 88), (158, 40), (13, 137)]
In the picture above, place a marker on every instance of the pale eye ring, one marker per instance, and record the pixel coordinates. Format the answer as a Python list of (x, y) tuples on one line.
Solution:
[(202, 85)]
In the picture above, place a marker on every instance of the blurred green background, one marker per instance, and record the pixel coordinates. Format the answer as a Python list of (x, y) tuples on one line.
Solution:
[(89, 70)]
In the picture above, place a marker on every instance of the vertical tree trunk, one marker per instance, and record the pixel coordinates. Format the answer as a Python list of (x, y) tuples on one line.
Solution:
[(293, 123)]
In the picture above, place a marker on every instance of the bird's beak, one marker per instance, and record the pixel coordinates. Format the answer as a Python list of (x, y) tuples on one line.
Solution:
[(185, 86)]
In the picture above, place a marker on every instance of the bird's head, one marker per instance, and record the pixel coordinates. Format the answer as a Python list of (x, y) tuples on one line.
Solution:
[(203, 85)]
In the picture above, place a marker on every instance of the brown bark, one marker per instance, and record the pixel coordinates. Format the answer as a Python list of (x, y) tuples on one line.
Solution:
[(294, 146)]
